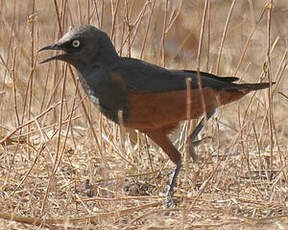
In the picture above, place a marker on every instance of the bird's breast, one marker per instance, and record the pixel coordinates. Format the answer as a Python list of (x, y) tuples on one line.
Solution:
[(108, 94)]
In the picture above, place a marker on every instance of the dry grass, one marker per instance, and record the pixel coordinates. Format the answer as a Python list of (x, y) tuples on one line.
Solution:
[(64, 166)]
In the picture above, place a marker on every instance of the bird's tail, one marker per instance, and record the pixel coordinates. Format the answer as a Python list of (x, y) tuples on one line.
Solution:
[(234, 92), (250, 86)]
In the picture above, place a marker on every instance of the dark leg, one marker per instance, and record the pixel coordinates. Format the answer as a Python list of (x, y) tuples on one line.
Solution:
[(168, 199), (160, 137), (193, 144), (194, 134)]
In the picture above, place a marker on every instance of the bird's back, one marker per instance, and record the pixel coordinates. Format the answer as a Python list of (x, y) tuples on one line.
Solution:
[(141, 76)]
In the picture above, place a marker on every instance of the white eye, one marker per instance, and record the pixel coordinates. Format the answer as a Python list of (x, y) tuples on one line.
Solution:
[(76, 43)]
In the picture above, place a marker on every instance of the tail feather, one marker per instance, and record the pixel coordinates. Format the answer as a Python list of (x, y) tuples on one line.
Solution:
[(250, 86)]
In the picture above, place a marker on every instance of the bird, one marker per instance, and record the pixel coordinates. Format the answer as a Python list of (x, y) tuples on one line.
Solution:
[(150, 98)]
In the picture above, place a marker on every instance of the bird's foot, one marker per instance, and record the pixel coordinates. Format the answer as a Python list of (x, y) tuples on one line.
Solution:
[(168, 200), (194, 144)]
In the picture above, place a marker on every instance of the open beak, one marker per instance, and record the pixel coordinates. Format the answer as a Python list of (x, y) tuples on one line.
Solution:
[(52, 47)]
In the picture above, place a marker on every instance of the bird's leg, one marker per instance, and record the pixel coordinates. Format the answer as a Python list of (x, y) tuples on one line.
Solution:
[(193, 144), (168, 199), (195, 132), (160, 137)]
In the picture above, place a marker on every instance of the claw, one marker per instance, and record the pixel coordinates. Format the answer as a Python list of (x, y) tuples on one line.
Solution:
[(168, 199), (198, 142), (194, 144)]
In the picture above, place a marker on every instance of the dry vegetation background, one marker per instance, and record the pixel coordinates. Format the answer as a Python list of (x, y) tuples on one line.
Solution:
[(64, 166)]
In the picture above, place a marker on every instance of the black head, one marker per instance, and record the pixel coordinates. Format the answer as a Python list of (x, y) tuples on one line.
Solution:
[(82, 46)]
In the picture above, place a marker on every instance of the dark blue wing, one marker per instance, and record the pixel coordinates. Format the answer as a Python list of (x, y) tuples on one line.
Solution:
[(141, 76)]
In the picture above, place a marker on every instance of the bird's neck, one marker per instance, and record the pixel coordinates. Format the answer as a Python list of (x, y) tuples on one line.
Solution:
[(107, 55)]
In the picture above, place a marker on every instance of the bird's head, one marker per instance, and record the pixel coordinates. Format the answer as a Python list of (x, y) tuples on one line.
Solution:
[(82, 45)]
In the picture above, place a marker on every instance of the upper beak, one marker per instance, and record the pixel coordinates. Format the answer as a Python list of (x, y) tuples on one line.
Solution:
[(52, 47)]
